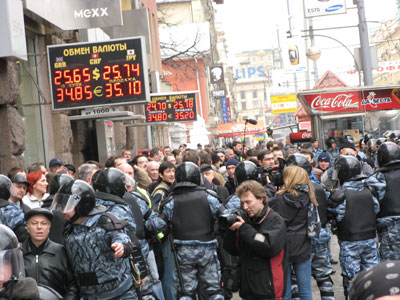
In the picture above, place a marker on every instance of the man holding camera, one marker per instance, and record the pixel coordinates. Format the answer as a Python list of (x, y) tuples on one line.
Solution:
[(258, 237)]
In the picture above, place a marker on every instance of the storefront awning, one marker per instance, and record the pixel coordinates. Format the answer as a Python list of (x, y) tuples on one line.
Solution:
[(237, 129)]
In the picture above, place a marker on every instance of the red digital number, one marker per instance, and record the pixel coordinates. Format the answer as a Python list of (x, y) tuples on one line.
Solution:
[(88, 92), (76, 76), (190, 104), (109, 90), (136, 68), (78, 93), (86, 75), (106, 73), (118, 89), (69, 92), (60, 95), (135, 87), (115, 69), (68, 77), (57, 77)]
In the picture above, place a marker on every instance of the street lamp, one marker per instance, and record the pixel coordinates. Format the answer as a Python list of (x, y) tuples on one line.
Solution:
[(314, 53)]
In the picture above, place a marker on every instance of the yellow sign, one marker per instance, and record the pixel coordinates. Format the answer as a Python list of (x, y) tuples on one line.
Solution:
[(284, 104)]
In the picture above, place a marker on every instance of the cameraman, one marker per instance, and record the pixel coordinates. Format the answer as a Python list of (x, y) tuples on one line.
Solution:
[(260, 243)]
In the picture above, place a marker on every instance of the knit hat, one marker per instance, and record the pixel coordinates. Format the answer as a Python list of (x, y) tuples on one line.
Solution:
[(32, 178), (324, 156), (380, 280), (347, 144), (232, 162)]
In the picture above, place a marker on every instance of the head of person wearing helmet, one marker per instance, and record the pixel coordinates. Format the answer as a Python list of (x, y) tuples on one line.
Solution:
[(347, 168), (58, 181), (330, 142), (299, 160), (111, 181), (11, 259), (245, 170), (5, 187), (75, 200), (388, 154), (188, 172)]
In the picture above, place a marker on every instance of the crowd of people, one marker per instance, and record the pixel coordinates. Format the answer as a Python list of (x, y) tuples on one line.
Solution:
[(203, 223)]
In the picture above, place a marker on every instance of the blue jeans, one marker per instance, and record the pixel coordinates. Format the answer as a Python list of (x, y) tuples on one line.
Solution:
[(303, 274), (168, 279)]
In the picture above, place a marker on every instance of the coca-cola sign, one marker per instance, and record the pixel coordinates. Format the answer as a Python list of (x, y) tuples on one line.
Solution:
[(300, 137), (353, 101)]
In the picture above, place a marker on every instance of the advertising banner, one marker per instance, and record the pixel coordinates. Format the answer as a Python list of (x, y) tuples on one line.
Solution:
[(225, 113), (300, 137), (284, 104), (353, 101), (237, 129), (318, 8)]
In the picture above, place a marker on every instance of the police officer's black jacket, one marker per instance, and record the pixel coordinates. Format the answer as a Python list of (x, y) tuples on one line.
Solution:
[(263, 263), (50, 267), (230, 185), (390, 204)]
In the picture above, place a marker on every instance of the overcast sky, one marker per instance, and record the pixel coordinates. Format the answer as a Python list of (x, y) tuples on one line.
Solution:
[(253, 24)]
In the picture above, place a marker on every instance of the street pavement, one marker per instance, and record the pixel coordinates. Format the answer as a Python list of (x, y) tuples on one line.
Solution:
[(337, 279)]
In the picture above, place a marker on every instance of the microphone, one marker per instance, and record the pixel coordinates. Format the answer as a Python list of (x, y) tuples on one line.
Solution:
[(251, 121)]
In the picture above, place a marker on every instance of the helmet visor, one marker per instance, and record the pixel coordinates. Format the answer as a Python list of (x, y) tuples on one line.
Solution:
[(11, 265), (65, 203)]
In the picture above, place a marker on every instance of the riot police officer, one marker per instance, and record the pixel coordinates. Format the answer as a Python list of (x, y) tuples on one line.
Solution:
[(321, 267), (385, 185), (12, 281), (355, 209), (10, 214), (96, 243), (110, 189), (190, 211)]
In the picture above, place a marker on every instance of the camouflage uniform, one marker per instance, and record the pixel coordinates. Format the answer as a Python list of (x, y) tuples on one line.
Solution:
[(388, 227), (355, 256), (100, 275), (152, 222), (198, 260), (13, 217)]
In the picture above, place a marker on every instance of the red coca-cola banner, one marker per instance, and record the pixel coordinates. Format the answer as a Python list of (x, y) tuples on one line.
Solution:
[(300, 137), (354, 101)]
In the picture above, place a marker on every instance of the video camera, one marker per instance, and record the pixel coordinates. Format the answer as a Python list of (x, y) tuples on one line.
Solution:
[(275, 173), (227, 220)]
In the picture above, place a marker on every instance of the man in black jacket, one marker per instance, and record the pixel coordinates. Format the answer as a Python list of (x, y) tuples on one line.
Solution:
[(45, 260), (260, 243)]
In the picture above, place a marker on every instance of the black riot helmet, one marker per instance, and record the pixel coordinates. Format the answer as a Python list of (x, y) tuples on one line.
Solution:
[(347, 168), (367, 137), (76, 194), (380, 141), (299, 160), (329, 141), (11, 258), (5, 187), (388, 153), (111, 181), (245, 170), (58, 181), (188, 172), (349, 138)]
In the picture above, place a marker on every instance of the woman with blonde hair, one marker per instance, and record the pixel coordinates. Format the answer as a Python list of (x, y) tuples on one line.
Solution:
[(292, 203)]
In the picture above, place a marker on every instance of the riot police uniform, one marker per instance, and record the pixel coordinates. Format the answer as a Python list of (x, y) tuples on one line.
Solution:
[(190, 211), (321, 267), (385, 185), (355, 209), (89, 237), (13, 286), (10, 214)]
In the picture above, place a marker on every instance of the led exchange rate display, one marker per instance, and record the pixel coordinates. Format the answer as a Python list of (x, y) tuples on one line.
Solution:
[(98, 74), (178, 107)]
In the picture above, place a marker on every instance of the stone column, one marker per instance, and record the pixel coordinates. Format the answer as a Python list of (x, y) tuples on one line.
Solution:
[(12, 132)]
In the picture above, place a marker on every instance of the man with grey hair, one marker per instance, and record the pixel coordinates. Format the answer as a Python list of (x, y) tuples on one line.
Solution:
[(86, 171), (229, 154), (152, 170)]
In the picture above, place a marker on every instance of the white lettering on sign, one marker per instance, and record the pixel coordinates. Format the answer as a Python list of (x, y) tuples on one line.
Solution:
[(337, 102), (91, 13), (306, 135)]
